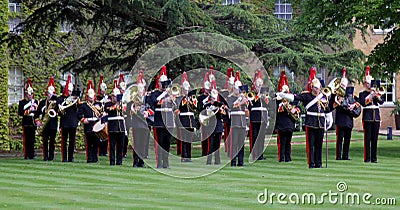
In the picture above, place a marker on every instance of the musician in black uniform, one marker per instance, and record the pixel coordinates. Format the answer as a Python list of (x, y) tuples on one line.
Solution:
[(89, 113), (163, 105), (122, 87), (103, 98), (318, 118), (258, 118), (116, 126), (68, 111), (285, 121), (27, 108), (201, 100), (228, 90), (185, 122), (212, 127), (48, 124), (370, 99), (238, 104)]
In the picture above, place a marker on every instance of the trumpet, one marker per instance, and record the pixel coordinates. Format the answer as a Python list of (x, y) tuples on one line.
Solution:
[(175, 90), (250, 96), (379, 91), (327, 92)]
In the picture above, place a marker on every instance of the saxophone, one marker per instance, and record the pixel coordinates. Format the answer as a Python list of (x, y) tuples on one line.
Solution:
[(50, 113)]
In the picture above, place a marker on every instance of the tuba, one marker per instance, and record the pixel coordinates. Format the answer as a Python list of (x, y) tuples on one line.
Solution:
[(50, 113)]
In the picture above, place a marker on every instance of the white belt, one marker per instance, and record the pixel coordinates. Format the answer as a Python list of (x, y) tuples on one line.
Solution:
[(238, 113), (259, 109), (163, 109), (316, 114), (371, 107), (92, 119), (186, 114), (31, 115), (116, 118)]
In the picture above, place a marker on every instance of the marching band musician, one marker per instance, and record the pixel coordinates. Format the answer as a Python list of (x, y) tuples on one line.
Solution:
[(162, 103), (48, 124), (228, 89), (285, 123), (201, 100), (318, 117), (344, 114), (238, 104), (27, 108), (215, 112), (122, 87), (370, 99), (116, 126), (68, 111), (89, 113), (102, 97), (258, 118), (137, 109), (186, 122)]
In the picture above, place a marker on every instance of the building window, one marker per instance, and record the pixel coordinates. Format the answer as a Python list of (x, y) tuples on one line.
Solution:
[(15, 84), (283, 10), (14, 7), (228, 2), (389, 85)]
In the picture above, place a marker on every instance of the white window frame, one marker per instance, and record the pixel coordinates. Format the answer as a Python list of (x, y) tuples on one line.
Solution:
[(14, 7), (230, 2), (15, 84), (65, 27), (288, 15), (385, 84), (12, 24)]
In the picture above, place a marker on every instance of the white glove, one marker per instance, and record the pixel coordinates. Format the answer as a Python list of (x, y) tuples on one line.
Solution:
[(287, 96), (329, 120)]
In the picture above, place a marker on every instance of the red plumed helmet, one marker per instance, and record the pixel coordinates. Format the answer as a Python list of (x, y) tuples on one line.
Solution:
[(237, 83), (28, 89), (163, 74), (283, 85), (313, 80), (90, 89), (230, 79), (121, 82), (211, 76), (206, 82), (102, 86), (51, 87), (68, 86), (368, 78), (185, 81), (115, 90), (257, 81)]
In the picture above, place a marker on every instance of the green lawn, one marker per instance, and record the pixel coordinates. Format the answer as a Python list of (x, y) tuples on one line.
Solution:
[(27, 184)]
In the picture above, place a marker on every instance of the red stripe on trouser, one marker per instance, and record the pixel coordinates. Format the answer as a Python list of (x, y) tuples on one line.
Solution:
[(251, 140), (24, 142), (133, 146), (87, 146), (156, 143), (230, 144), (337, 142), (307, 147), (62, 144), (365, 142), (226, 136), (44, 155), (180, 139), (208, 145), (109, 147), (278, 140)]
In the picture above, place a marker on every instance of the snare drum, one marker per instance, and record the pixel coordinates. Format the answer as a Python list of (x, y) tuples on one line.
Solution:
[(101, 130)]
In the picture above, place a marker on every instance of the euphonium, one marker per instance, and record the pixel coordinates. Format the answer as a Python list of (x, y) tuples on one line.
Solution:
[(68, 102)]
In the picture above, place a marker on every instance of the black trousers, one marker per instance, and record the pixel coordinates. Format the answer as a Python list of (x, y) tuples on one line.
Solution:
[(162, 147), (371, 131), (116, 142), (257, 130), (28, 135), (92, 146), (314, 142), (343, 136), (49, 142), (68, 134), (236, 137), (140, 137), (126, 141), (284, 145), (185, 137), (103, 147), (213, 142)]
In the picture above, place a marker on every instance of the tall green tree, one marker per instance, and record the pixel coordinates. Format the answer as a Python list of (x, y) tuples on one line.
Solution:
[(328, 17), (125, 29)]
